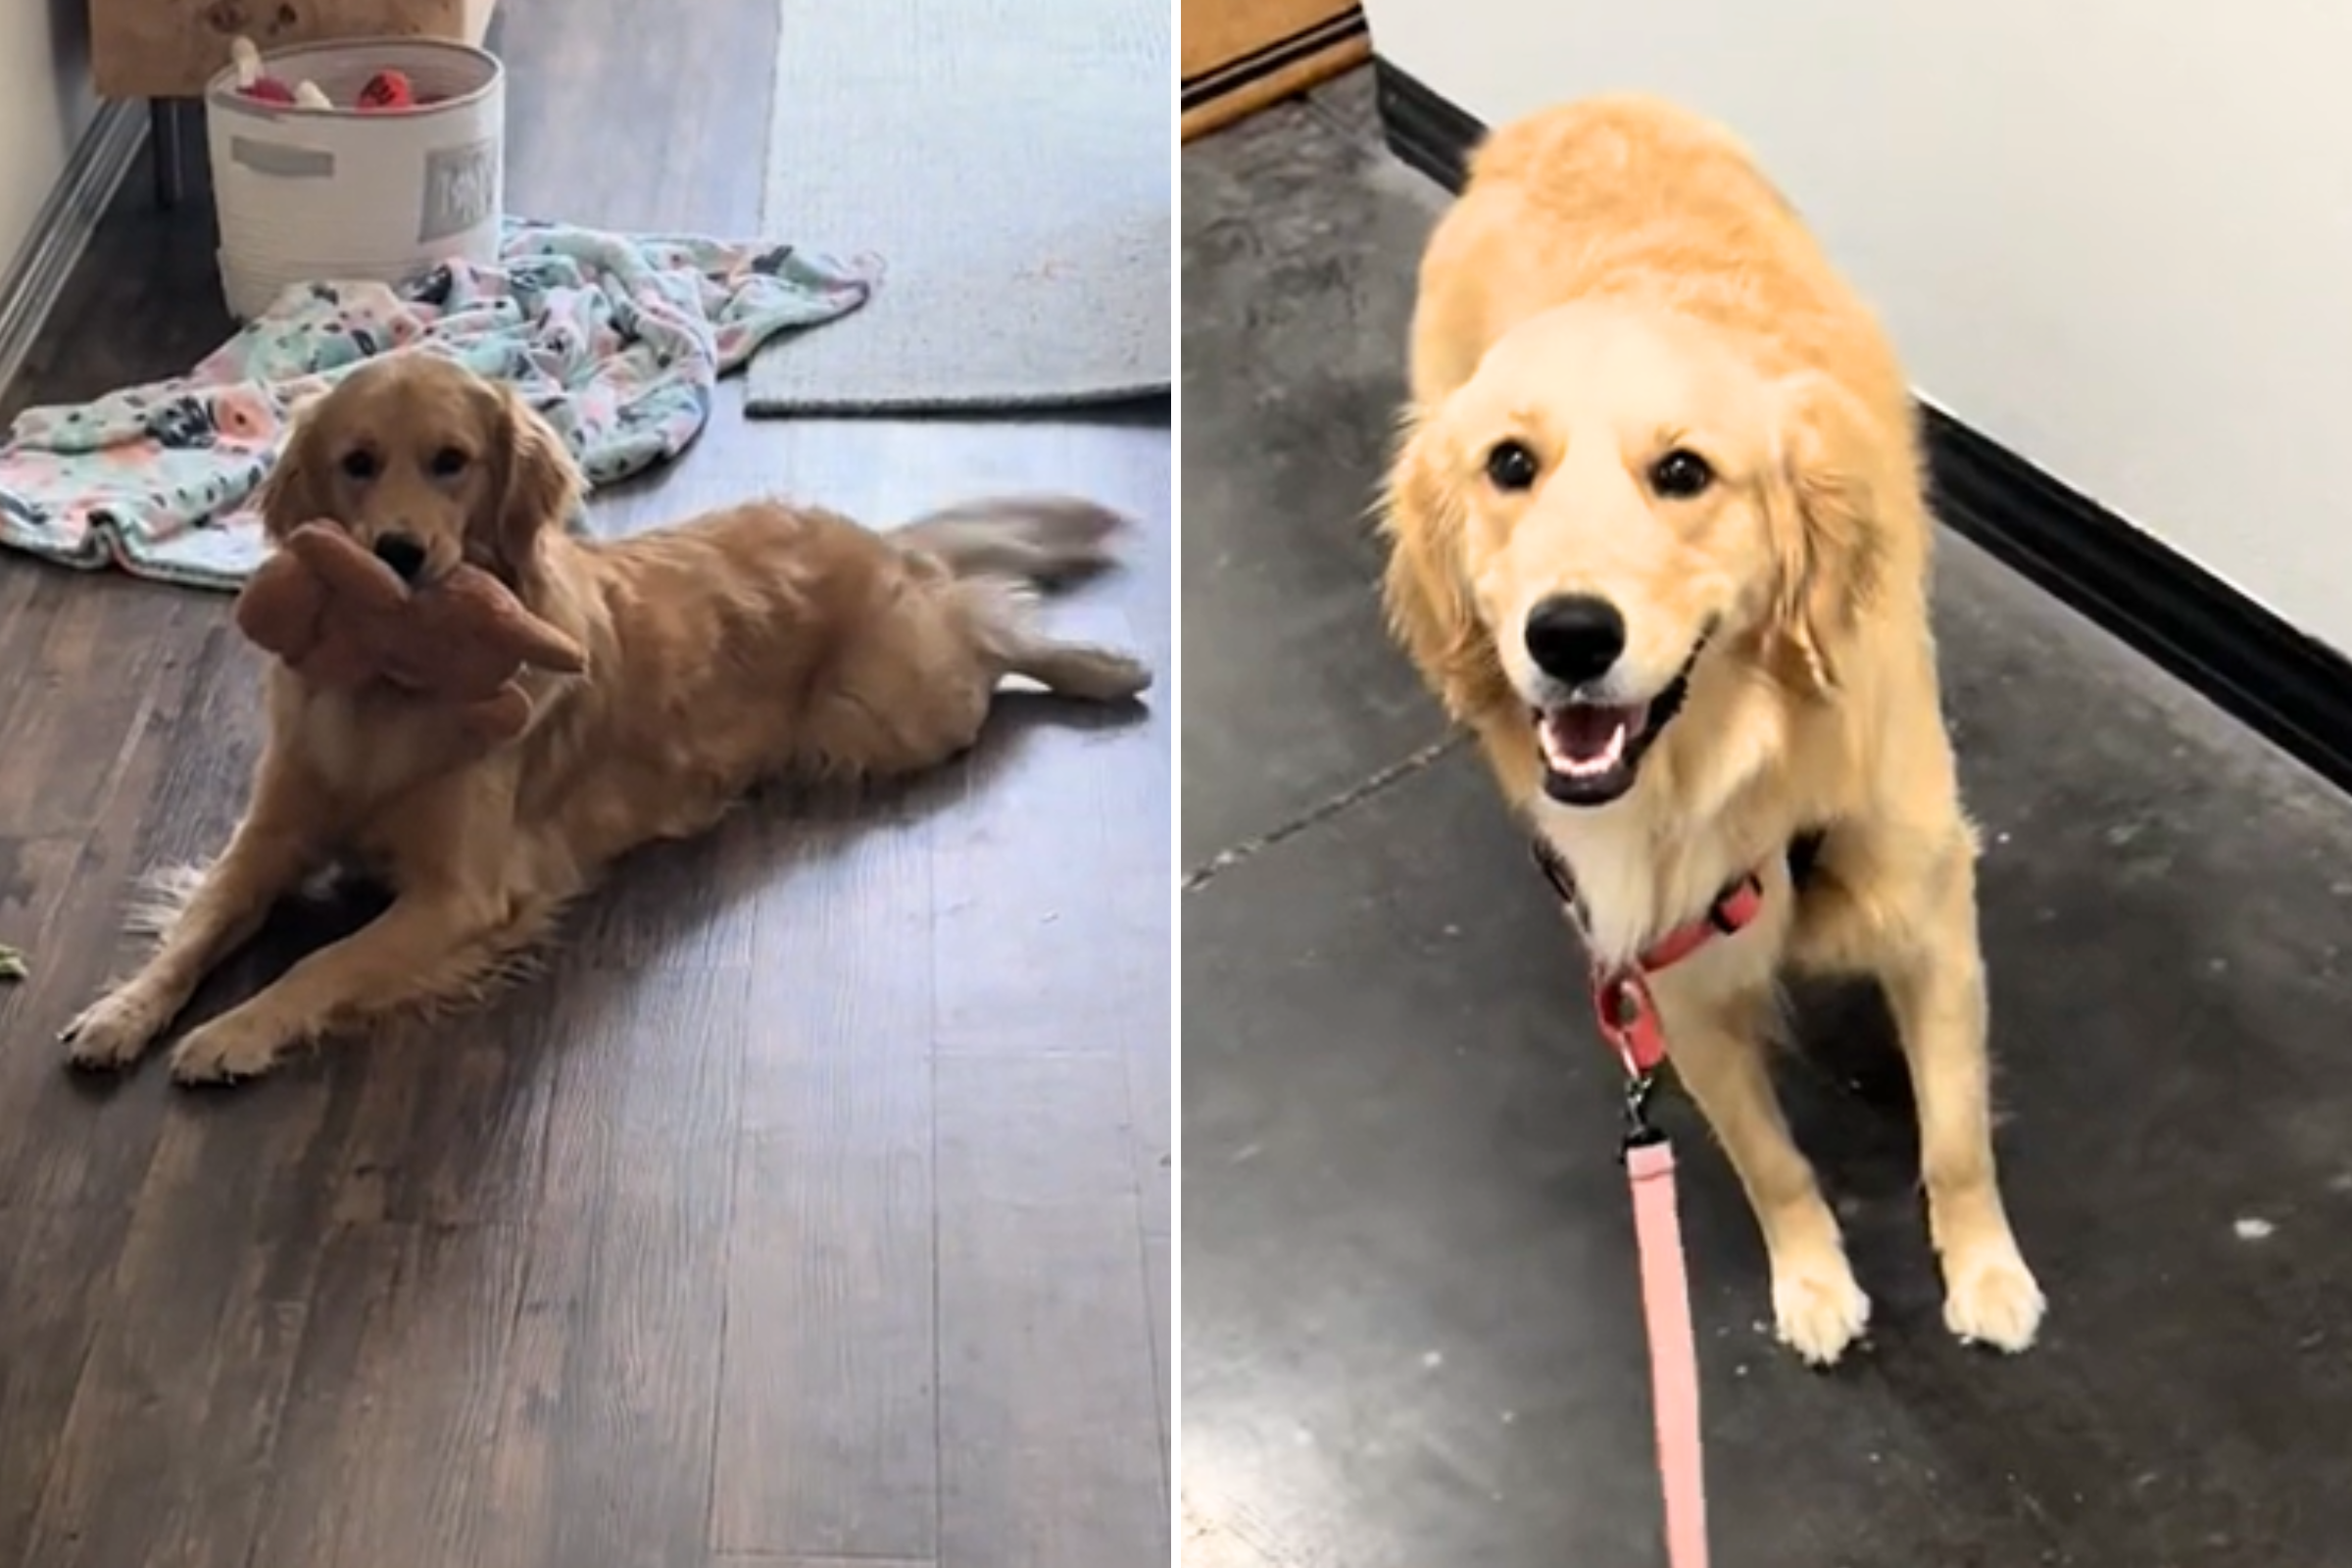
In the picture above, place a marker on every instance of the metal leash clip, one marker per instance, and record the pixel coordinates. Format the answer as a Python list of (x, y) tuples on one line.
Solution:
[(1640, 1131)]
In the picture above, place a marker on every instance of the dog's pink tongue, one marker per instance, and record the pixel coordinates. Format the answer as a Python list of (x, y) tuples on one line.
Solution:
[(1587, 732)]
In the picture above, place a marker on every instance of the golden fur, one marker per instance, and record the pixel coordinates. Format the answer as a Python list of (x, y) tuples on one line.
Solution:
[(1619, 282), (759, 641)]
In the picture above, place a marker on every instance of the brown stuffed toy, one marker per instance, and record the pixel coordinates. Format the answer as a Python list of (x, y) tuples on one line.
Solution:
[(341, 618)]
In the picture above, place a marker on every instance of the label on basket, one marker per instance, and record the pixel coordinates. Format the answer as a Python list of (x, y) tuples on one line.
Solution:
[(287, 163), (459, 185)]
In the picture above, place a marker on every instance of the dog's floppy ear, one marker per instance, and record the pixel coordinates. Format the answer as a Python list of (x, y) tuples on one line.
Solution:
[(291, 493), (1430, 610), (538, 483), (1822, 508)]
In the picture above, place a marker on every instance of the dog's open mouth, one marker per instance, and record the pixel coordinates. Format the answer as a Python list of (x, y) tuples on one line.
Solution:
[(1593, 751)]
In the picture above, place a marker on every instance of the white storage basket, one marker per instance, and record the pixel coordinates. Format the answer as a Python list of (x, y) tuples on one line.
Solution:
[(314, 195)]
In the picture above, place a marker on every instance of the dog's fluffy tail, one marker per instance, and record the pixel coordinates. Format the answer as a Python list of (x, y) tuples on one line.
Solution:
[(1042, 539)]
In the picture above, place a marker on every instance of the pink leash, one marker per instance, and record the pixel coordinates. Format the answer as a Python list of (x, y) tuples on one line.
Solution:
[(1629, 1021), (1673, 1351)]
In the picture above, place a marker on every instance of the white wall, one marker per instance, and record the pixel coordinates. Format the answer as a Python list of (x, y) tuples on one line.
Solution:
[(2115, 235), (45, 105)]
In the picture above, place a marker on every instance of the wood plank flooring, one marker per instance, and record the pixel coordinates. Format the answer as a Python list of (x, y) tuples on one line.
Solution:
[(813, 1209)]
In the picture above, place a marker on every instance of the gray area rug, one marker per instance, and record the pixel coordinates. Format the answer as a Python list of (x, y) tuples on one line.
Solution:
[(1012, 163)]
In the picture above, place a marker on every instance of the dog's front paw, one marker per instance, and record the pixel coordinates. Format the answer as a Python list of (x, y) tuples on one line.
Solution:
[(1817, 1308), (231, 1048), (1991, 1298), (114, 1031)]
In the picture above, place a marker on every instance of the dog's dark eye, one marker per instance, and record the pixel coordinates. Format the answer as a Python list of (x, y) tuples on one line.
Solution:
[(1511, 466), (1679, 474), (449, 462), (358, 463)]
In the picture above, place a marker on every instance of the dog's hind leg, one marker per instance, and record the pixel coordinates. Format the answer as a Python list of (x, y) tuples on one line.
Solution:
[(1003, 620), (917, 687), (1083, 670)]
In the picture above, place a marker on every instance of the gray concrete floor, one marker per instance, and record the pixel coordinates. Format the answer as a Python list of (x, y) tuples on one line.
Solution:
[(1410, 1334)]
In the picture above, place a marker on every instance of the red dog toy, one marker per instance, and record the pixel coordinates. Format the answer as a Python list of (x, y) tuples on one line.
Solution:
[(388, 89)]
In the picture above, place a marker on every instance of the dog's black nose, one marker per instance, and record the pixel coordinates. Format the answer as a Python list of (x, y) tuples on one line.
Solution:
[(401, 554), (1575, 638)]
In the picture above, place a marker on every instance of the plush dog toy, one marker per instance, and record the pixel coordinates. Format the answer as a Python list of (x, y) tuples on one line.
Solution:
[(341, 618), (387, 89)]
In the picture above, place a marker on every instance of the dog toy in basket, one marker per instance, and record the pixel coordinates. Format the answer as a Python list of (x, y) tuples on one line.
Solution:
[(339, 616), (387, 92), (387, 89), (253, 81)]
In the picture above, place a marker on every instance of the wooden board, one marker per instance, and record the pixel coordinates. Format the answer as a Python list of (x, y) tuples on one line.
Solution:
[(1222, 109), (170, 48), (1218, 33), (1240, 55)]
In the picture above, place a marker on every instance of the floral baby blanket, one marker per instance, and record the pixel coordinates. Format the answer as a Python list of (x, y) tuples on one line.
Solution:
[(619, 339)]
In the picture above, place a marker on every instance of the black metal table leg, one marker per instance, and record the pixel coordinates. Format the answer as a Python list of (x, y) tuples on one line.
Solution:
[(167, 151)]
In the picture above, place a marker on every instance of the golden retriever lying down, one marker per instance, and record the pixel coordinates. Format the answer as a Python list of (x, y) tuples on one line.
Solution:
[(759, 641), (1658, 537)]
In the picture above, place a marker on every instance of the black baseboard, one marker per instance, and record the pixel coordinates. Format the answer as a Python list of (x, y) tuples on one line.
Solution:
[(1432, 133), (2291, 688)]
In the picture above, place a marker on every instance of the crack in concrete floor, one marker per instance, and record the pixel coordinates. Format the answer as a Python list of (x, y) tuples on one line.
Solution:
[(1384, 778)]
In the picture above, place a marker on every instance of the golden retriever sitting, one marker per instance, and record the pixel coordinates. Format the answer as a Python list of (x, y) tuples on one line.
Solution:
[(761, 642), (1658, 537)]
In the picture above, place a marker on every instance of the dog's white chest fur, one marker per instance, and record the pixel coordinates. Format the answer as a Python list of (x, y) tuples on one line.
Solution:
[(1658, 857), (1636, 883)]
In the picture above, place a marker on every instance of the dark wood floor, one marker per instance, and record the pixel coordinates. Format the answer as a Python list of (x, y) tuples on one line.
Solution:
[(813, 1209)]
